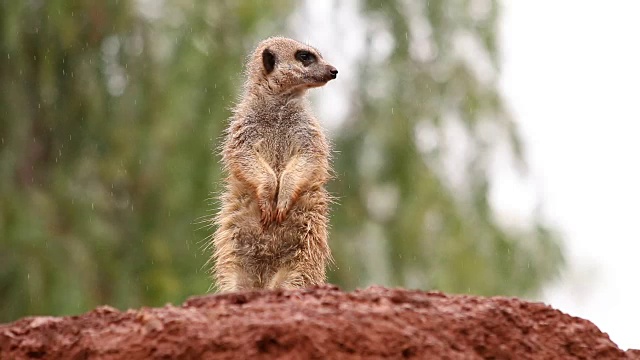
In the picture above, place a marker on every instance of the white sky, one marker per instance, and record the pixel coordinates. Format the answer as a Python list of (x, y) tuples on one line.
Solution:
[(571, 72)]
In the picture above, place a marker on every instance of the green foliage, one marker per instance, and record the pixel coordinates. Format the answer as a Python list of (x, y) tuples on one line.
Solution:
[(110, 111), (414, 209), (109, 117)]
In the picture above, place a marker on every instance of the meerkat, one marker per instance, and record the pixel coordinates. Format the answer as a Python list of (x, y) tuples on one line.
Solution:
[(272, 224)]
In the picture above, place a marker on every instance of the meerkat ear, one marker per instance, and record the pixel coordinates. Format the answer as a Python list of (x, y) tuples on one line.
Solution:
[(268, 60)]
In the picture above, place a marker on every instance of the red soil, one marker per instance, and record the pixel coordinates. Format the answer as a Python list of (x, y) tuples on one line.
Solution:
[(317, 323)]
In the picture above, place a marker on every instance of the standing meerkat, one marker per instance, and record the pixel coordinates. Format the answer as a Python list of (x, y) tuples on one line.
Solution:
[(272, 225)]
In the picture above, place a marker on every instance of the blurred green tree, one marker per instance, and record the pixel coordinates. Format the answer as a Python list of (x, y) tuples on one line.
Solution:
[(425, 126), (109, 112)]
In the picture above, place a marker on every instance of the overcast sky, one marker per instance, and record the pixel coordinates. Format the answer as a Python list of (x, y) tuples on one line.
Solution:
[(571, 75)]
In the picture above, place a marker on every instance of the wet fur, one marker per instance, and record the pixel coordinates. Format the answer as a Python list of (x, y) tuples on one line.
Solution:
[(272, 225)]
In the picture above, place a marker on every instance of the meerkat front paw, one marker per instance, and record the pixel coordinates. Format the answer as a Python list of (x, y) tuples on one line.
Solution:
[(267, 204), (267, 212), (281, 210)]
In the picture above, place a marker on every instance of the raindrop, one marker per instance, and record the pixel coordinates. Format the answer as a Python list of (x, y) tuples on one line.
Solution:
[(92, 207)]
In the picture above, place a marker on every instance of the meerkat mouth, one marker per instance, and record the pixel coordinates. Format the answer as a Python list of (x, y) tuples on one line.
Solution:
[(317, 81)]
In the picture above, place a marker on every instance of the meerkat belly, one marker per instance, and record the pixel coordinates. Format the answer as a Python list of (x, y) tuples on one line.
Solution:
[(280, 242)]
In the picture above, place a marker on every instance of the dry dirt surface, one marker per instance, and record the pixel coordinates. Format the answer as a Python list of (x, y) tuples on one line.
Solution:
[(317, 323)]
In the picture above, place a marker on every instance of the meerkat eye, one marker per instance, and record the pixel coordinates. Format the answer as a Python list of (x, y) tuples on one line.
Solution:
[(305, 57)]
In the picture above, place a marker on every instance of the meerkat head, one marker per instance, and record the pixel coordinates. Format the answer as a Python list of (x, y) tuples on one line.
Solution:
[(284, 65)]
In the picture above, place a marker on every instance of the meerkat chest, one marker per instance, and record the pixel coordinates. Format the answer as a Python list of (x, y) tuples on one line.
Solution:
[(278, 144), (281, 133)]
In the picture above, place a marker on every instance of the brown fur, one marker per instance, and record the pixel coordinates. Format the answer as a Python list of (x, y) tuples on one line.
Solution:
[(272, 225)]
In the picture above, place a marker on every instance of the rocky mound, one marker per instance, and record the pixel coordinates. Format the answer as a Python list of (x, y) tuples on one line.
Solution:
[(317, 323)]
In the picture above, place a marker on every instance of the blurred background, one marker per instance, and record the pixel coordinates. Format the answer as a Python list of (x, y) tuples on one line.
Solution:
[(481, 148)]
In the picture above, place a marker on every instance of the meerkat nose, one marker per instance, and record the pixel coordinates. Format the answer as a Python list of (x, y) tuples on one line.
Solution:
[(334, 72)]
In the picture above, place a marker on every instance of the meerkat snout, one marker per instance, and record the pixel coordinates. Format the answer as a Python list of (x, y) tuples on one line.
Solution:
[(329, 74), (333, 71)]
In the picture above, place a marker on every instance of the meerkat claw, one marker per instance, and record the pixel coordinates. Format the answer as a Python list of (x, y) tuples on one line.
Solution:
[(281, 214), (266, 214)]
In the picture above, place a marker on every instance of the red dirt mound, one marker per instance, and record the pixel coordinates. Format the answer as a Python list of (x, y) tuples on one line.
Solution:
[(317, 323)]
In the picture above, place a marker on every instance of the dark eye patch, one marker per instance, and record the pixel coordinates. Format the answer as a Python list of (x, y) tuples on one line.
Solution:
[(305, 57)]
